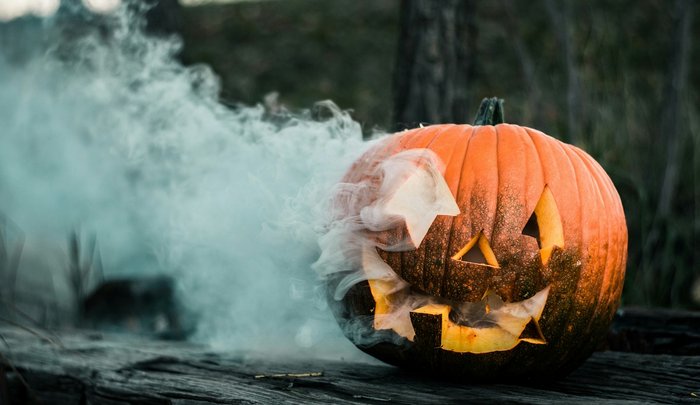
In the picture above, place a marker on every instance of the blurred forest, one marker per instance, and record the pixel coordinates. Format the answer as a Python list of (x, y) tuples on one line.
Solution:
[(618, 79)]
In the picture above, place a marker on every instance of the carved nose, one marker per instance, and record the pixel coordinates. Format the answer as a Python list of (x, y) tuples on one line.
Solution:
[(477, 251)]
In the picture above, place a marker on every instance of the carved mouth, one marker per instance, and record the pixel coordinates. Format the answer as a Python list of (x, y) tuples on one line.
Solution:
[(485, 326)]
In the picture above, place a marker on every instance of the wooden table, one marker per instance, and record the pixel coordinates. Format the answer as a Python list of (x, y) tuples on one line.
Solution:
[(82, 367)]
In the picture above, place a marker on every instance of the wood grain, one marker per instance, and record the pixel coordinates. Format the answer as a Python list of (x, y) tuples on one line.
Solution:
[(95, 368)]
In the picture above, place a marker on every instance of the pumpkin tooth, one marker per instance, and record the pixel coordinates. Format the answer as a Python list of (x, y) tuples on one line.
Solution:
[(539, 338), (500, 329)]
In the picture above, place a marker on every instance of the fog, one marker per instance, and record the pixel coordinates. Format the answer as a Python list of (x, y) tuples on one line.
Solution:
[(105, 133)]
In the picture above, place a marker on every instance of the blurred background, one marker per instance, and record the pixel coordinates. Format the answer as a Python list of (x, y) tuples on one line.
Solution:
[(619, 79)]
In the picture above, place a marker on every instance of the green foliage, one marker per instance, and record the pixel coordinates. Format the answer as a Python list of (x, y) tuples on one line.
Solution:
[(307, 50)]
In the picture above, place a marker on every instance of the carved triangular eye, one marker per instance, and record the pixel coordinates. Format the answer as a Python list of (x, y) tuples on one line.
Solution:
[(545, 225), (533, 229), (477, 251)]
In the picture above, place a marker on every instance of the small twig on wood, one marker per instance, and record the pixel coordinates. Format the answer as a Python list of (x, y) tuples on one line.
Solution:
[(381, 399), (290, 375)]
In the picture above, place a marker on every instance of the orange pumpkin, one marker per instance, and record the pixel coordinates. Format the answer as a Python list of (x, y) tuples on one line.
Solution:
[(499, 251)]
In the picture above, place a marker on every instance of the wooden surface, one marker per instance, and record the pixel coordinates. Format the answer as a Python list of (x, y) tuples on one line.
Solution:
[(81, 367), (656, 331)]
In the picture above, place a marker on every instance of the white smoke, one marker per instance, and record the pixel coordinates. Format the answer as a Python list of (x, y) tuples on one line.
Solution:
[(389, 205), (362, 212), (106, 133)]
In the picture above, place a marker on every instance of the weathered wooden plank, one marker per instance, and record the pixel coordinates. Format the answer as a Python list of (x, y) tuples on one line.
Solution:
[(656, 331), (108, 369)]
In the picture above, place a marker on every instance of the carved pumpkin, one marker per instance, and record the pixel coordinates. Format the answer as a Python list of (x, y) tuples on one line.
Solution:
[(483, 252)]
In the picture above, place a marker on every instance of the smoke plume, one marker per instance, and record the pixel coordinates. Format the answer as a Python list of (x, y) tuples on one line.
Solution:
[(104, 132)]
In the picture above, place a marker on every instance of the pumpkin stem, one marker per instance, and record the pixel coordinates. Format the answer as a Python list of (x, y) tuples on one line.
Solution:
[(490, 112)]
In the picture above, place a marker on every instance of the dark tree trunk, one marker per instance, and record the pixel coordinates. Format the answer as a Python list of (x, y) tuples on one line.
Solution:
[(560, 13), (512, 27), (435, 62), (672, 116)]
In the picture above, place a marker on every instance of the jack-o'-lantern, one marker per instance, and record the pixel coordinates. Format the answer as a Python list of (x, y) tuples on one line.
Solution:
[(484, 252)]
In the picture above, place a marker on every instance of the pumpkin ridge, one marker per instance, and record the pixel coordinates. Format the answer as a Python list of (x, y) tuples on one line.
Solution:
[(510, 356), (512, 157), (446, 271), (412, 136), (414, 259), (607, 298), (602, 267), (624, 240), (499, 195), (591, 245), (564, 318), (532, 154), (429, 243), (497, 188), (548, 141), (438, 245), (528, 136), (482, 194), (607, 185), (477, 184), (612, 238)]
